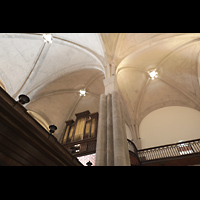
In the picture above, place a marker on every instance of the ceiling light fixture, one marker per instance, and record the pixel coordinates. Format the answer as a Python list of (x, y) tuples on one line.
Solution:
[(153, 74), (48, 37), (82, 92)]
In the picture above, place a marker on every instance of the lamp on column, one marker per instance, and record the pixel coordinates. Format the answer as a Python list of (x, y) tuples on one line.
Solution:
[(23, 99)]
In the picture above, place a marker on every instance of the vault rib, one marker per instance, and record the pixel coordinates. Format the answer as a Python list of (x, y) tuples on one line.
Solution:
[(92, 80), (140, 97), (86, 49), (180, 89), (46, 81), (34, 65), (191, 42), (52, 93), (74, 106), (130, 67)]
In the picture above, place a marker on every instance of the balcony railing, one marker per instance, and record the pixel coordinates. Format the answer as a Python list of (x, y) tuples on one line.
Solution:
[(169, 151), (132, 147)]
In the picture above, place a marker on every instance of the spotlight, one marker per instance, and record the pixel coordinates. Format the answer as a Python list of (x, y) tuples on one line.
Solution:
[(52, 128), (153, 74), (23, 99), (82, 93)]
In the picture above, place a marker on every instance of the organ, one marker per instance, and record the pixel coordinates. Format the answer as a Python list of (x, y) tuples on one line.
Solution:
[(81, 135)]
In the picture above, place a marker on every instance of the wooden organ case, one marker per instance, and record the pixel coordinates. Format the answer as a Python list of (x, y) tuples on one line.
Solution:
[(81, 134)]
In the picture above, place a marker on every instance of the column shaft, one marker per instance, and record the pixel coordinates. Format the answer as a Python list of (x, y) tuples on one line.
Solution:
[(110, 153), (118, 138), (127, 155), (101, 147)]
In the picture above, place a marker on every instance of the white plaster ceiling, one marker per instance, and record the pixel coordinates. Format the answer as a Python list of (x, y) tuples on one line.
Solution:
[(176, 58), (52, 74)]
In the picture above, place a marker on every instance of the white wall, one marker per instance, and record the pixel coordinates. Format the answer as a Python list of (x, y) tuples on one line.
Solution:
[(169, 125)]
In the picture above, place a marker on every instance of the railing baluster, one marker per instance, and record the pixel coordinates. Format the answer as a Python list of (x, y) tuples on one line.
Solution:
[(178, 148), (153, 155), (175, 150), (147, 154), (197, 146), (194, 147), (160, 153), (157, 153), (143, 154), (170, 151), (165, 152)]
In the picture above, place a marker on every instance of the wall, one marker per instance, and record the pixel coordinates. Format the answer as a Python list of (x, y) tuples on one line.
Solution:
[(169, 125)]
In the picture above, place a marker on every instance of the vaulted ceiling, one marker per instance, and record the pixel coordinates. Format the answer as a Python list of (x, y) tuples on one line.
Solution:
[(52, 74), (175, 56)]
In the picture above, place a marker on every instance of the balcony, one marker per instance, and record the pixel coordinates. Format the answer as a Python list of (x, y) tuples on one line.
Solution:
[(24, 142), (177, 154)]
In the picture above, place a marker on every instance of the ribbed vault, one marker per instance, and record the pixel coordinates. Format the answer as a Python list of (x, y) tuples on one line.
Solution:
[(52, 74)]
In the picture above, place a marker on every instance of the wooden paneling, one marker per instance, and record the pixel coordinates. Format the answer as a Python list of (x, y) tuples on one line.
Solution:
[(23, 141)]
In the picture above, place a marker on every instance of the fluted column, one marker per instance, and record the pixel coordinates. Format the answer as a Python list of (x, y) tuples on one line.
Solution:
[(110, 150), (112, 147), (127, 155), (101, 147), (118, 137)]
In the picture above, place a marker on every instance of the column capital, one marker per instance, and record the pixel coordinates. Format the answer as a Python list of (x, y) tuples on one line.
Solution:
[(110, 81)]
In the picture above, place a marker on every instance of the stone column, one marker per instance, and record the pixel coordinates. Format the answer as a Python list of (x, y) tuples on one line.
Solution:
[(112, 146), (110, 151), (120, 158), (125, 137), (101, 147)]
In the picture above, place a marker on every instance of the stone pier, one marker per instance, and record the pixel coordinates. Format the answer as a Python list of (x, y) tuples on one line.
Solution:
[(112, 147)]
